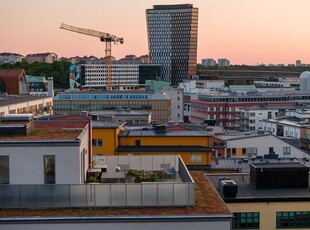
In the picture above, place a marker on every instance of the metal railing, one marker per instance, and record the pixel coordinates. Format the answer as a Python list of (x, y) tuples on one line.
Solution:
[(145, 194)]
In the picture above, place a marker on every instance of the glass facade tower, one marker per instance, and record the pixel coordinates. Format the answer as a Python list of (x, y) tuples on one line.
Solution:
[(172, 38)]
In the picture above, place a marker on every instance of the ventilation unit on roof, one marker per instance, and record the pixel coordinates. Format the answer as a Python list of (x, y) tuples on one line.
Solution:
[(228, 188)]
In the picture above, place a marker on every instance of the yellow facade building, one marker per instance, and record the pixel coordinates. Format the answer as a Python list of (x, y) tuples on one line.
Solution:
[(105, 137), (114, 139)]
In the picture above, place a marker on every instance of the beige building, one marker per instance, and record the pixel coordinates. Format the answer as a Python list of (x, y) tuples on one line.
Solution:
[(26, 104), (41, 57)]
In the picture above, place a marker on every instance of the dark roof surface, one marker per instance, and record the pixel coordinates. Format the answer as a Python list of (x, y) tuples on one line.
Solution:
[(178, 133), (279, 165), (18, 99), (161, 148), (247, 192)]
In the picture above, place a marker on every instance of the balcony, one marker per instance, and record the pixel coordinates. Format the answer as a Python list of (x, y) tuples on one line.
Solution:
[(174, 192)]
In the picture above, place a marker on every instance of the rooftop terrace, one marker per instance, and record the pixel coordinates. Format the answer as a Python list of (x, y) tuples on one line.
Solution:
[(207, 203)]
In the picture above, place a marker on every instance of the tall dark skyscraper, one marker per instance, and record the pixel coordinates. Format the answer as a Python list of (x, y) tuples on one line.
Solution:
[(172, 38)]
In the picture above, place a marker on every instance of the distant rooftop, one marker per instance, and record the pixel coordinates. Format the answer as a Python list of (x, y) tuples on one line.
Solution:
[(133, 133), (171, 7), (103, 124), (241, 135), (271, 107)]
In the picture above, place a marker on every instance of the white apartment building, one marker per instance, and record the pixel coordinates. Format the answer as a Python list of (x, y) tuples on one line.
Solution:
[(208, 62), (177, 105), (10, 58), (252, 117), (258, 144), (223, 62), (123, 75)]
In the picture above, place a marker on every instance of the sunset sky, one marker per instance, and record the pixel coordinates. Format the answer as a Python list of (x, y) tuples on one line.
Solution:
[(244, 31)]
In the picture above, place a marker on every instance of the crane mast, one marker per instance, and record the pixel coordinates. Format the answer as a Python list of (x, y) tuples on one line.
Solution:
[(104, 37)]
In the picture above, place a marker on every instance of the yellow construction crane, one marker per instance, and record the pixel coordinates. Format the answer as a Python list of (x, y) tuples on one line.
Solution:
[(104, 37)]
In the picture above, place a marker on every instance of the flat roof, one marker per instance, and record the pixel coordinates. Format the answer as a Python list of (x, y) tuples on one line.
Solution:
[(120, 112), (48, 130), (243, 164), (161, 148), (104, 124), (207, 204), (270, 107), (241, 135), (145, 133), (247, 193), (19, 99), (172, 7), (288, 122), (278, 165)]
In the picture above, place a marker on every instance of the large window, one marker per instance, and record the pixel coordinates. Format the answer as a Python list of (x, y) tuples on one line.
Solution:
[(97, 142), (246, 220), (49, 169), (195, 157), (4, 170), (293, 219)]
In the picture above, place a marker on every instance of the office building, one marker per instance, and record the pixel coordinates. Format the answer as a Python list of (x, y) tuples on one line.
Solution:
[(172, 39), (158, 104), (125, 75), (223, 62)]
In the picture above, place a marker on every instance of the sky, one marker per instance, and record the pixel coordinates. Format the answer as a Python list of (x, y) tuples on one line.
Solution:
[(243, 31)]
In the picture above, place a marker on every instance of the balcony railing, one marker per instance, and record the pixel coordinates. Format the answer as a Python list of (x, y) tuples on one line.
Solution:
[(148, 194)]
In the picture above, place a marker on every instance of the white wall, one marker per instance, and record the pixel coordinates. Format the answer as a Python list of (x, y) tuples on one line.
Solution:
[(26, 164), (262, 143), (177, 106)]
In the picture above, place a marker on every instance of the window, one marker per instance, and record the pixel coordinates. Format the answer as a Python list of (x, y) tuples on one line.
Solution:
[(233, 151), (4, 170), (49, 169), (246, 220), (254, 151), (244, 151), (195, 157), (252, 114), (138, 142), (249, 152), (97, 142), (293, 219), (286, 150), (269, 116)]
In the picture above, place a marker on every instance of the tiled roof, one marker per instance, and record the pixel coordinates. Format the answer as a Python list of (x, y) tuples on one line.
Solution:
[(207, 204)]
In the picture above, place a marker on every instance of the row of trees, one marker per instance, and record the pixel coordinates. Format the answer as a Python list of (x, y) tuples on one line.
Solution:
[(59, 70)]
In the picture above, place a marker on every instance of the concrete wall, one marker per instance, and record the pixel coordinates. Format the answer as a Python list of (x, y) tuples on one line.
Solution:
[(142, 225)]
